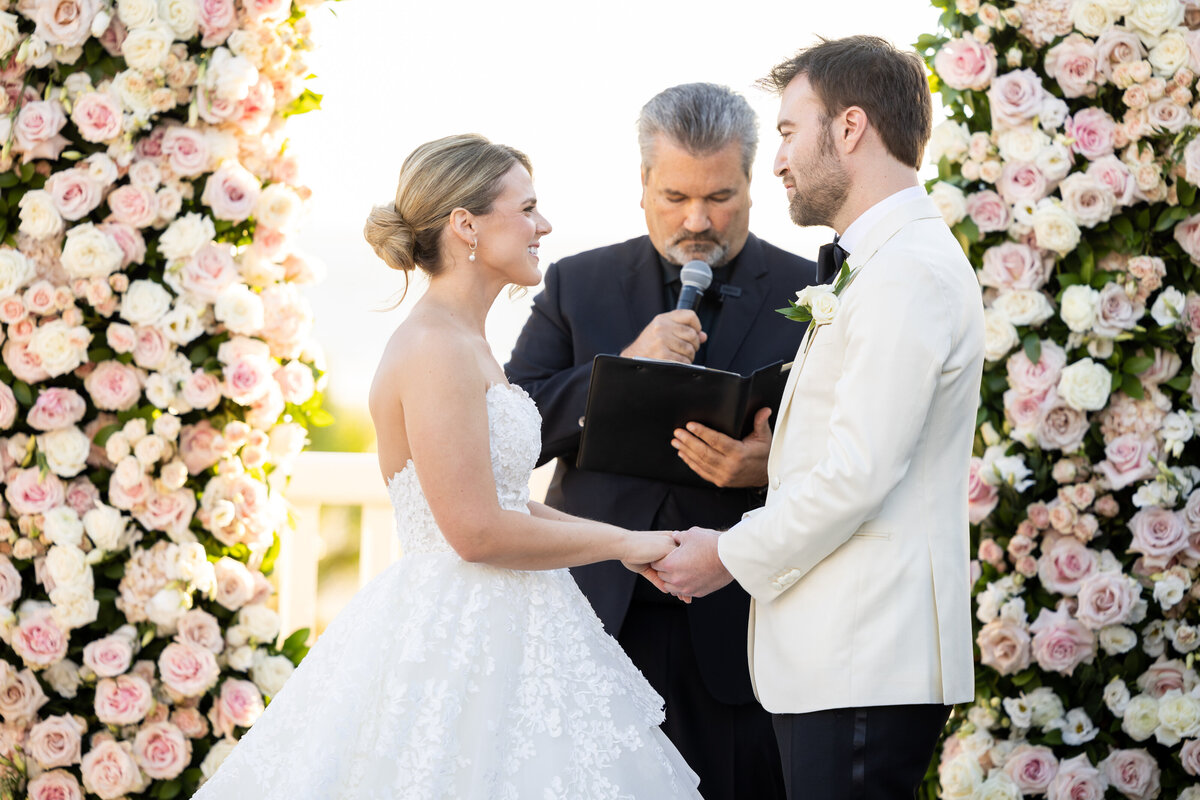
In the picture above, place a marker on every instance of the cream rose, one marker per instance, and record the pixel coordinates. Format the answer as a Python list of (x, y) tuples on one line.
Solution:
[(90, 253), (66, 450), (1054, 229), (1080, 304), (186, 235), (146, 47), (39, 215), (16, 271), (1085, 385), (1024, 306), (145, 302)]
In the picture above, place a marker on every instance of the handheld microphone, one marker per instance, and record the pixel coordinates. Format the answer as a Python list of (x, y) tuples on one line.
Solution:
[(695, 278)]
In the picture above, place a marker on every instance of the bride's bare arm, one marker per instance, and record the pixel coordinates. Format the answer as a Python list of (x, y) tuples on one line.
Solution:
[(445, 412)]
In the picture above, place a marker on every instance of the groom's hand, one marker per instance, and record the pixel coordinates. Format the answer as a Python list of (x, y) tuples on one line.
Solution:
[(723, 460), (693, 569)]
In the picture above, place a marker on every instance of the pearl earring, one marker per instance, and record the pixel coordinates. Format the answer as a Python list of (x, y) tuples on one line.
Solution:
[(472, 256)]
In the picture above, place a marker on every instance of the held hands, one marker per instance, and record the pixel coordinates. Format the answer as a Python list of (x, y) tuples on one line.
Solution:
[(671, 336), (644, 547), (693, 569), (725, 461)]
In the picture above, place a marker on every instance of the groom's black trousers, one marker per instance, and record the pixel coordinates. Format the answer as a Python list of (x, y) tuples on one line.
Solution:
[(874, 753)]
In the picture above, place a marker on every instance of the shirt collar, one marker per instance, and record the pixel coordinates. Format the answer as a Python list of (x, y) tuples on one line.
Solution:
[(858, 229), (721, 274)]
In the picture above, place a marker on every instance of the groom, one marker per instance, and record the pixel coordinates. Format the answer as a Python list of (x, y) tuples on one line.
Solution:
[(860, 629)]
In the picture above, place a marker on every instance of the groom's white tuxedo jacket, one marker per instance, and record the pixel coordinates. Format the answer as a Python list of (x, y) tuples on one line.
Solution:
[(858, 564)]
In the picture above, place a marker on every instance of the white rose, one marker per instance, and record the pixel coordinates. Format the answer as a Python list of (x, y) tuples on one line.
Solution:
[(10, 36), (136, 13), (261, 623), (1046, 705), (67, 565), (219, 752), (278, 207), (824, 308), (186, 235), (1170, 54), (1151, 18), (950, 200), (1091, 17), (184, 322), (160, 390), (1196, 357), (1118, 8), (1054, 161), (194, 568), (1168, 307), (950, 140), (1054, 228), (230, 77), (60, 346), (998, 787), (182, 16), (1085, 385), (1116, 696), (242, 311), (90, 253), (135, 92), (15, 271), (269, 673), (1140, 718), (106, 527), (240, 658), (1117, 639), (66, 450), (63, 677), (145, 302), (63, 526), (146, 47), (1024, 306), (961, 777), (166, 607), (75, 605), (1022, 144), (1079, 305), (1179, 717), (1000, 336), (39, 216), (149, 450)]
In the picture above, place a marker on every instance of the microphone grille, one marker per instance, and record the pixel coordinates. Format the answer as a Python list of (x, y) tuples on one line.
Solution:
[(696, 273)]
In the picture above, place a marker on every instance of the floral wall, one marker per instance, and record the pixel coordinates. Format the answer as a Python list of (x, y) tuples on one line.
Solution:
[(157, 380)]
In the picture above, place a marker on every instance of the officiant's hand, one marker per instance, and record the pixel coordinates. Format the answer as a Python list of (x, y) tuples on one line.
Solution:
[(723, 460), (671, 336), (693, 569)]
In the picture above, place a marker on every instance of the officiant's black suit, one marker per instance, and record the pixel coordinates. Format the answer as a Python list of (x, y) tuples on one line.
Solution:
[(598, 302)]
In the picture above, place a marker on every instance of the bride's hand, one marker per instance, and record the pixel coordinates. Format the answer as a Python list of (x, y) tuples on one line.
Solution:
[(643, 548)]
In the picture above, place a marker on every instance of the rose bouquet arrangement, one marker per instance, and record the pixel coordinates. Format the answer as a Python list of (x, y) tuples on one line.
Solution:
[(157, 379)]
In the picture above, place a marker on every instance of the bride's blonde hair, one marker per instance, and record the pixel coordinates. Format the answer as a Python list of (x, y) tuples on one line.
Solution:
[(463, 171)]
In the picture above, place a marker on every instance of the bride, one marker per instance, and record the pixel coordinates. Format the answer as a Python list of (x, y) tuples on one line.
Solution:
[(473, 667)]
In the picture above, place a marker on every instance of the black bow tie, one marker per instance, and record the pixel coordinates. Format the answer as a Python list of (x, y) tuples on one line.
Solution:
[(829, 261)]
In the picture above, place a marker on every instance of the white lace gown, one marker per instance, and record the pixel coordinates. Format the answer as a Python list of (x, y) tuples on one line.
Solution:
[(447, 679)]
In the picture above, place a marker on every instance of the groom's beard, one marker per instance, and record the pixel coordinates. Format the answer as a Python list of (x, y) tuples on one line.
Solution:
[(828, 185)]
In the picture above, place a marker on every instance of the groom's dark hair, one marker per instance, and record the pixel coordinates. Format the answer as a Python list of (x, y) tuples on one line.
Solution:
[(868, 72)]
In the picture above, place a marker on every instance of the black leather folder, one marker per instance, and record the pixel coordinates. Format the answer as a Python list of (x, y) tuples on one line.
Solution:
[(634, 406)]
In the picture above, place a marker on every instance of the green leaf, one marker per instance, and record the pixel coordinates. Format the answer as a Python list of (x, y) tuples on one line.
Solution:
[(1138, 364), (167, 790), (1180, 383), (970, 229), (1033, 347), (1087, 261), (1169, 217), (1132, 387), (102, 435), (1186, 193), (9, 180), (1123, 226), (23, 393), (321, 418), (306, 102)]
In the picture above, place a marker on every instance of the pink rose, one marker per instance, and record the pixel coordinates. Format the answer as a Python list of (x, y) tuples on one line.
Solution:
[(1077, 779), (199, 628), (218, 19), (1117, 45), (1127, 460), (25, 365), (124, 700), (187, 151), (8, 407), (231, 192), (191, 722), (28, 493), (209, 272), (247, 379), (1106, 598), (55, 785), (75, 193), (1165, 367), (1003, 646), (56, 408), (1035, 379), (1092, 131), (238, 706), (40, 298), (1114, 174), (1072, 64), (989, 212), (188, 670), (114, 386), (170, 512), (1015, 98), (82, 494), (132, 205), (10, 583), (981, 497), (1061, 427), (1187, 233), (296, 381), (67, 23), (37, 130), (97, 117), (266, 410), (1166, 675), (200, 446), (20, 698), (1031, 768), (254, 112), (129, 239), (110, 656), (1024, 412), (1065, 565), (1158, 534), (266, 9), (162, 751), (1191, 511), (1022, 183), (1167, 115), (235, 585), (1061, 643), (39, 640), (202, 390), (150, 348), (966, 63), (1133, 773), (1189, 754), (109, 770), (1012, 265), (56, 741)]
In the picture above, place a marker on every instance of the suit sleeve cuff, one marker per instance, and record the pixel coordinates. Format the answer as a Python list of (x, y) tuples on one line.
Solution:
[(763, 585)]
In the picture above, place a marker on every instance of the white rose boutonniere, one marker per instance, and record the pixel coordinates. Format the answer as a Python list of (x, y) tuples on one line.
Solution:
[(819, 304)]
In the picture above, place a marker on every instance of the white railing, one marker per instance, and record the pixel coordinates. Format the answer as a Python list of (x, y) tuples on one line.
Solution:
[(340, 479)]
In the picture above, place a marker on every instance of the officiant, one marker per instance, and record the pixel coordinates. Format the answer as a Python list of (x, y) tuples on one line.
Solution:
[(697, 148)]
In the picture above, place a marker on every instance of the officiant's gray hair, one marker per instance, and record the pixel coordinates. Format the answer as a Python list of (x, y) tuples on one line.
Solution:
[(701, 118)]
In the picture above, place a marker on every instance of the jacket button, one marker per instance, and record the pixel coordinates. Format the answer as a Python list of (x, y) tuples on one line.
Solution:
[(581, 422), (775, 483)]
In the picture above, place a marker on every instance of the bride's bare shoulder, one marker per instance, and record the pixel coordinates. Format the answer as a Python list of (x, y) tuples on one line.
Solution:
[(419, 352)]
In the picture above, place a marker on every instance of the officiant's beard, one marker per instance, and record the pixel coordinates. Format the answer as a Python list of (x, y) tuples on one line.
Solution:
[(697, 246), (826, 187)]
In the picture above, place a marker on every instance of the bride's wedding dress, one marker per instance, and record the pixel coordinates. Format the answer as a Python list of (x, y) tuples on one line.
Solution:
[(447, 679)]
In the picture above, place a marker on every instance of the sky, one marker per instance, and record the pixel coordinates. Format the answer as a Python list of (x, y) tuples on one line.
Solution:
[(564, 83)]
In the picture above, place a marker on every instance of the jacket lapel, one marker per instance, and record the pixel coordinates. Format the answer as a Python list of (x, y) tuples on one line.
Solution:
[(738, 314), (642, 286)]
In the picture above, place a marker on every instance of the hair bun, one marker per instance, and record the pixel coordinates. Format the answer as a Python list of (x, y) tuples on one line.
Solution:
[(392, 238)]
